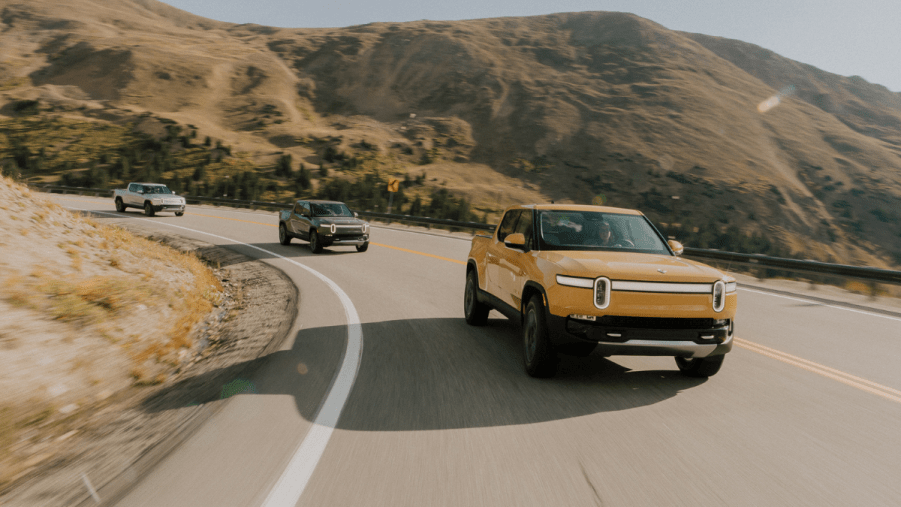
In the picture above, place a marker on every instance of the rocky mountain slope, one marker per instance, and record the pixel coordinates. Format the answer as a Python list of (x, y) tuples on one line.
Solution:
[(580, 107)]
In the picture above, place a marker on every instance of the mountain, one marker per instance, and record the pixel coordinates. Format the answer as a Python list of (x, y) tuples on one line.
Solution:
[(761, 151)]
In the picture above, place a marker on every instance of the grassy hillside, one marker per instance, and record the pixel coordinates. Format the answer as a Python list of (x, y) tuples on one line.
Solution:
[(723, 144)]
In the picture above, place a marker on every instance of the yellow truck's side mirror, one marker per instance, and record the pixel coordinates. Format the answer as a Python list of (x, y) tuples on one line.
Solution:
[(676, 247), (516, 240)]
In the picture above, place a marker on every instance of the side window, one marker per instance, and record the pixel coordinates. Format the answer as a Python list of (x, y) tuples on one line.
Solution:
[(134, 188), (306, 209), (298, 208), (508, 224), (524, 226)]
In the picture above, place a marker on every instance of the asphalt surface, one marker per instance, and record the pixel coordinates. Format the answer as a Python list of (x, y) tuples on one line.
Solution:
[(805, 410)]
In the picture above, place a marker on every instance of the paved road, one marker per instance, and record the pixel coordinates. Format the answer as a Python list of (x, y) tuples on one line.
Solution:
[(805, 411)]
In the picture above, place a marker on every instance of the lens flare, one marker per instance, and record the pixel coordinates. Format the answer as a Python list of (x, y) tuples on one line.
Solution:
[(776, 99), (768, 104)]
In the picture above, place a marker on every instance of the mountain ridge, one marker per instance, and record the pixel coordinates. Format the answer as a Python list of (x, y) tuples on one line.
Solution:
[(567, 107)]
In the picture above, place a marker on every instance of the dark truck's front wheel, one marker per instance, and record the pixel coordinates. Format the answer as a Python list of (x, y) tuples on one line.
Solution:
[(283, 236), (315, 242)]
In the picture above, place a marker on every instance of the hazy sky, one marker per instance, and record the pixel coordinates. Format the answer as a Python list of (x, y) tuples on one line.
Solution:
[(841, 36)]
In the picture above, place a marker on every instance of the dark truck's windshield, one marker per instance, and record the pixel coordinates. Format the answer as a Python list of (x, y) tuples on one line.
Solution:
[(331, 209), (590, 230)]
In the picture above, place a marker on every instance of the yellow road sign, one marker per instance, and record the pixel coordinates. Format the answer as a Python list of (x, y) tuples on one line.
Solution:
[(393, 185)]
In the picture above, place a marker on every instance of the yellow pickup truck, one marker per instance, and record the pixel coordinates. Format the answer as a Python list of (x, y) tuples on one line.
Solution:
[(584, 278)]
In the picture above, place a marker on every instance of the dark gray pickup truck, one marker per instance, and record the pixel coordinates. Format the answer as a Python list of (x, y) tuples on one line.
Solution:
[(323, 224)]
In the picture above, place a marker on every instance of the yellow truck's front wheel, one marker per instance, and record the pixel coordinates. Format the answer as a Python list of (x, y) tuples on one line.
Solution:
[(539, 356), (700, 366), (476, 313)]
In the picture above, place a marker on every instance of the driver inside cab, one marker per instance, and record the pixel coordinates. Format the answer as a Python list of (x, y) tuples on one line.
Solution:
[(599, 234)]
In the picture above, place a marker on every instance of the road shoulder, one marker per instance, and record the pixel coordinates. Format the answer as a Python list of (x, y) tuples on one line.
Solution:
[(129, 434)]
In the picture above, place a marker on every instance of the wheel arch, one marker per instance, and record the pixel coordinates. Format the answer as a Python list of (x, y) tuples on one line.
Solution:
[(472, 265), (531, 289)]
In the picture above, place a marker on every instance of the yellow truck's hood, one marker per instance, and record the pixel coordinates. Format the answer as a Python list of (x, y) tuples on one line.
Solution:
[(631, 266)]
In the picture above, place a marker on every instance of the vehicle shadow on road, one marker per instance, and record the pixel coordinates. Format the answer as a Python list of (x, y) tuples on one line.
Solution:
[(428, 374)]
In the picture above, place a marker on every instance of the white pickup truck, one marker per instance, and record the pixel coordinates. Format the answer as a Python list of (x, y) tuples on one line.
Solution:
[(151, 197)]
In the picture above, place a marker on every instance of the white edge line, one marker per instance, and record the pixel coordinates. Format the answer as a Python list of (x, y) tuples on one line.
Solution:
[(822, 304), (293, 481)]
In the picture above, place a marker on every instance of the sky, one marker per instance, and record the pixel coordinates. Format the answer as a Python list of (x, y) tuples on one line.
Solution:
[(845, 37)]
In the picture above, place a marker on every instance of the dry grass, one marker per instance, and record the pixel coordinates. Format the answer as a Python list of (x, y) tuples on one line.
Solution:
[(107, 307)]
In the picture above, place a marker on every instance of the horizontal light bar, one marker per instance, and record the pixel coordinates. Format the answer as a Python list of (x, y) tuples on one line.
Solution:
[(587, 283), (672, 288), (630, 286)]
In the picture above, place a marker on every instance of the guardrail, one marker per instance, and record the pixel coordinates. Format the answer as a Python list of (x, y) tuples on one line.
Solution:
[(868, 274), (427, 220), (799, 266)]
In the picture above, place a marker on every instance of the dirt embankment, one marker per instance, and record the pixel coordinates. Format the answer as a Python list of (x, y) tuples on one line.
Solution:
[(115, 346)]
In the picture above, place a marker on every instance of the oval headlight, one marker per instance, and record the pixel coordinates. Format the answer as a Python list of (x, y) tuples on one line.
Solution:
[(601, 292), (719, 296)]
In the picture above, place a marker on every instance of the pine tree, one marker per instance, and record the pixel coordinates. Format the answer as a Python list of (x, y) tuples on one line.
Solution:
[(416, 207), (283, 166), (303, 178)]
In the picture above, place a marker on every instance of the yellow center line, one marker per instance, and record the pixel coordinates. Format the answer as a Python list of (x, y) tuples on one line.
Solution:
[(825, 371), (420, 253), (233, 219)]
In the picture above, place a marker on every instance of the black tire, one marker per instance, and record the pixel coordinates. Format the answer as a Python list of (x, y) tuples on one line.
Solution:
[(283, 236), (315, 244), (179, 213), (120, 206), (148, 209), (539, 357), (363, 247), (700, 366), (476, 313)]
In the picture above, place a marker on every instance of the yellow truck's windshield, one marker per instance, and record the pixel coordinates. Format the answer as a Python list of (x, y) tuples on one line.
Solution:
[(588, 230)]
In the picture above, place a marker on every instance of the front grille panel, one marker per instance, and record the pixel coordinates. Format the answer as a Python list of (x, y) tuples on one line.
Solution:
[(654, 322), (622, 329)]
